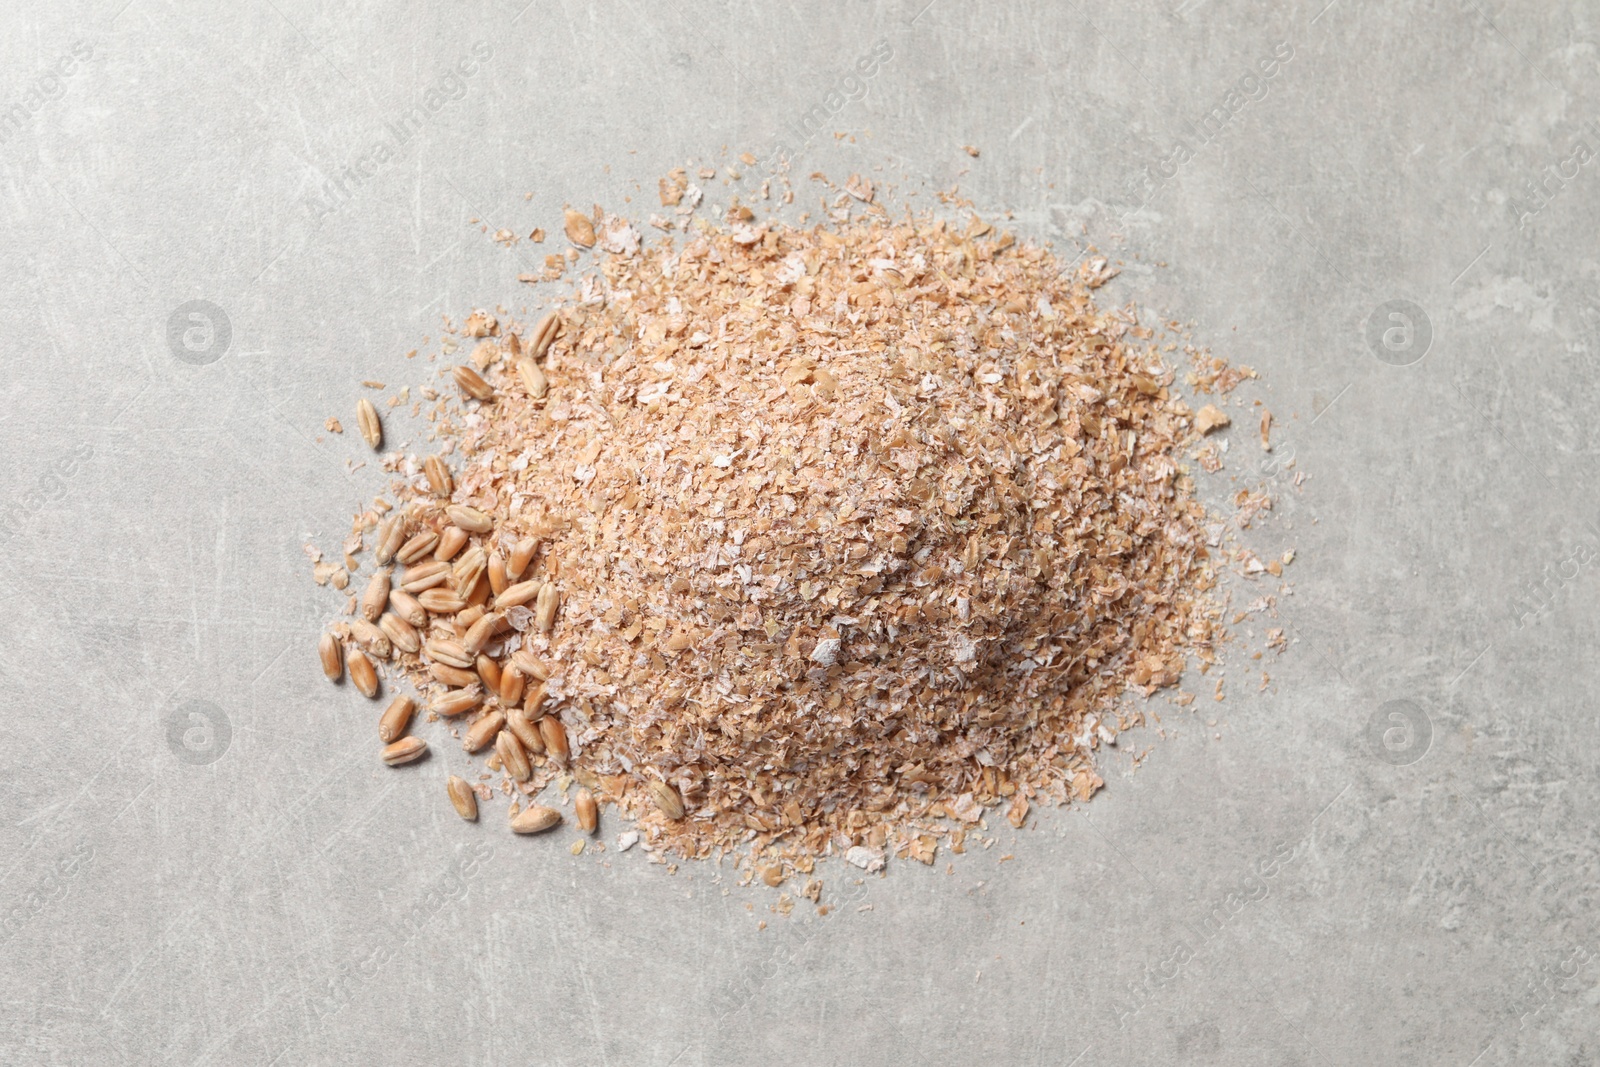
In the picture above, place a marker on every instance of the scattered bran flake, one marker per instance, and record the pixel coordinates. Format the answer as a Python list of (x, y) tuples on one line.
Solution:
[(1211, 418), (1250, 505), (672, 188), (1017, 813), (333, 425), (580, 231), (1214, 374), (848, 530)]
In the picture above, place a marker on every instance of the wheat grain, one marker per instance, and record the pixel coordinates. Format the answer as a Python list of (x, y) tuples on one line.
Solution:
[(440, 601), (406, 607), (554, 736), (331, 653), (456, 702), (535, 820), (439, 480), (362, 673), (545, 607), (521, 556), (533, 379), (483, 732), (367, 419), (667, 799), (391, 535), (454, 676), (406, 750), (396, 718), (544, 332), (471, 383), (462, 798), (401, 634), (370, 637), (376, 595), (489, 672), (479, 632), (469, 518), (452, 539), (420, 544), (528, 733), (510, 687), (516, 595), (587, 811), (508, 746)]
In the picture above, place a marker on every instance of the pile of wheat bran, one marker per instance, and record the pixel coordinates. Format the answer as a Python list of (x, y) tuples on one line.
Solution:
[(855, 531)]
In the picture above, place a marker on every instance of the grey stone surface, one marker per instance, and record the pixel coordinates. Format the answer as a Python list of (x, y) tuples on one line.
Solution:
[(250, 886)]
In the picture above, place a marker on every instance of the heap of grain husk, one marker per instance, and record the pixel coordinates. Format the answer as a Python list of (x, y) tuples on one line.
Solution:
[(848, 532)]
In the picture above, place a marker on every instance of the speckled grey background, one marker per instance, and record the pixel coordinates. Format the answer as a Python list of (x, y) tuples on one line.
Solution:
[(1292, 886)]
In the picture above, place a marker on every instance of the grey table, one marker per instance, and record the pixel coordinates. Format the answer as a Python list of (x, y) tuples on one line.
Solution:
[(219, 218)]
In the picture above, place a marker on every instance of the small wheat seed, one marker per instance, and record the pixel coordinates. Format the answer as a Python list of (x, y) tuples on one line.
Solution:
[(513, 756), (535, 820), (588, 812), (456, 702), (420, 545), (533, 379), (406, 607), (376, 595), (405, 750), (667, 799), (469, 518), (443, 672), (520, 593), (555, 740), (462, 798), (521, 556), (544, 332), (396, 717), (401, 634), (332, 655), (471, 383), (370, 637), (451, 540), (362, 673), (545, 607), (391, 535), (438, 477), (517, 723), (367, 419), (483, 732)]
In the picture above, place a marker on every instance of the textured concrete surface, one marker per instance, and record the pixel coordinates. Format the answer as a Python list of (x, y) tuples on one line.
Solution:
[(1388, 855)]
